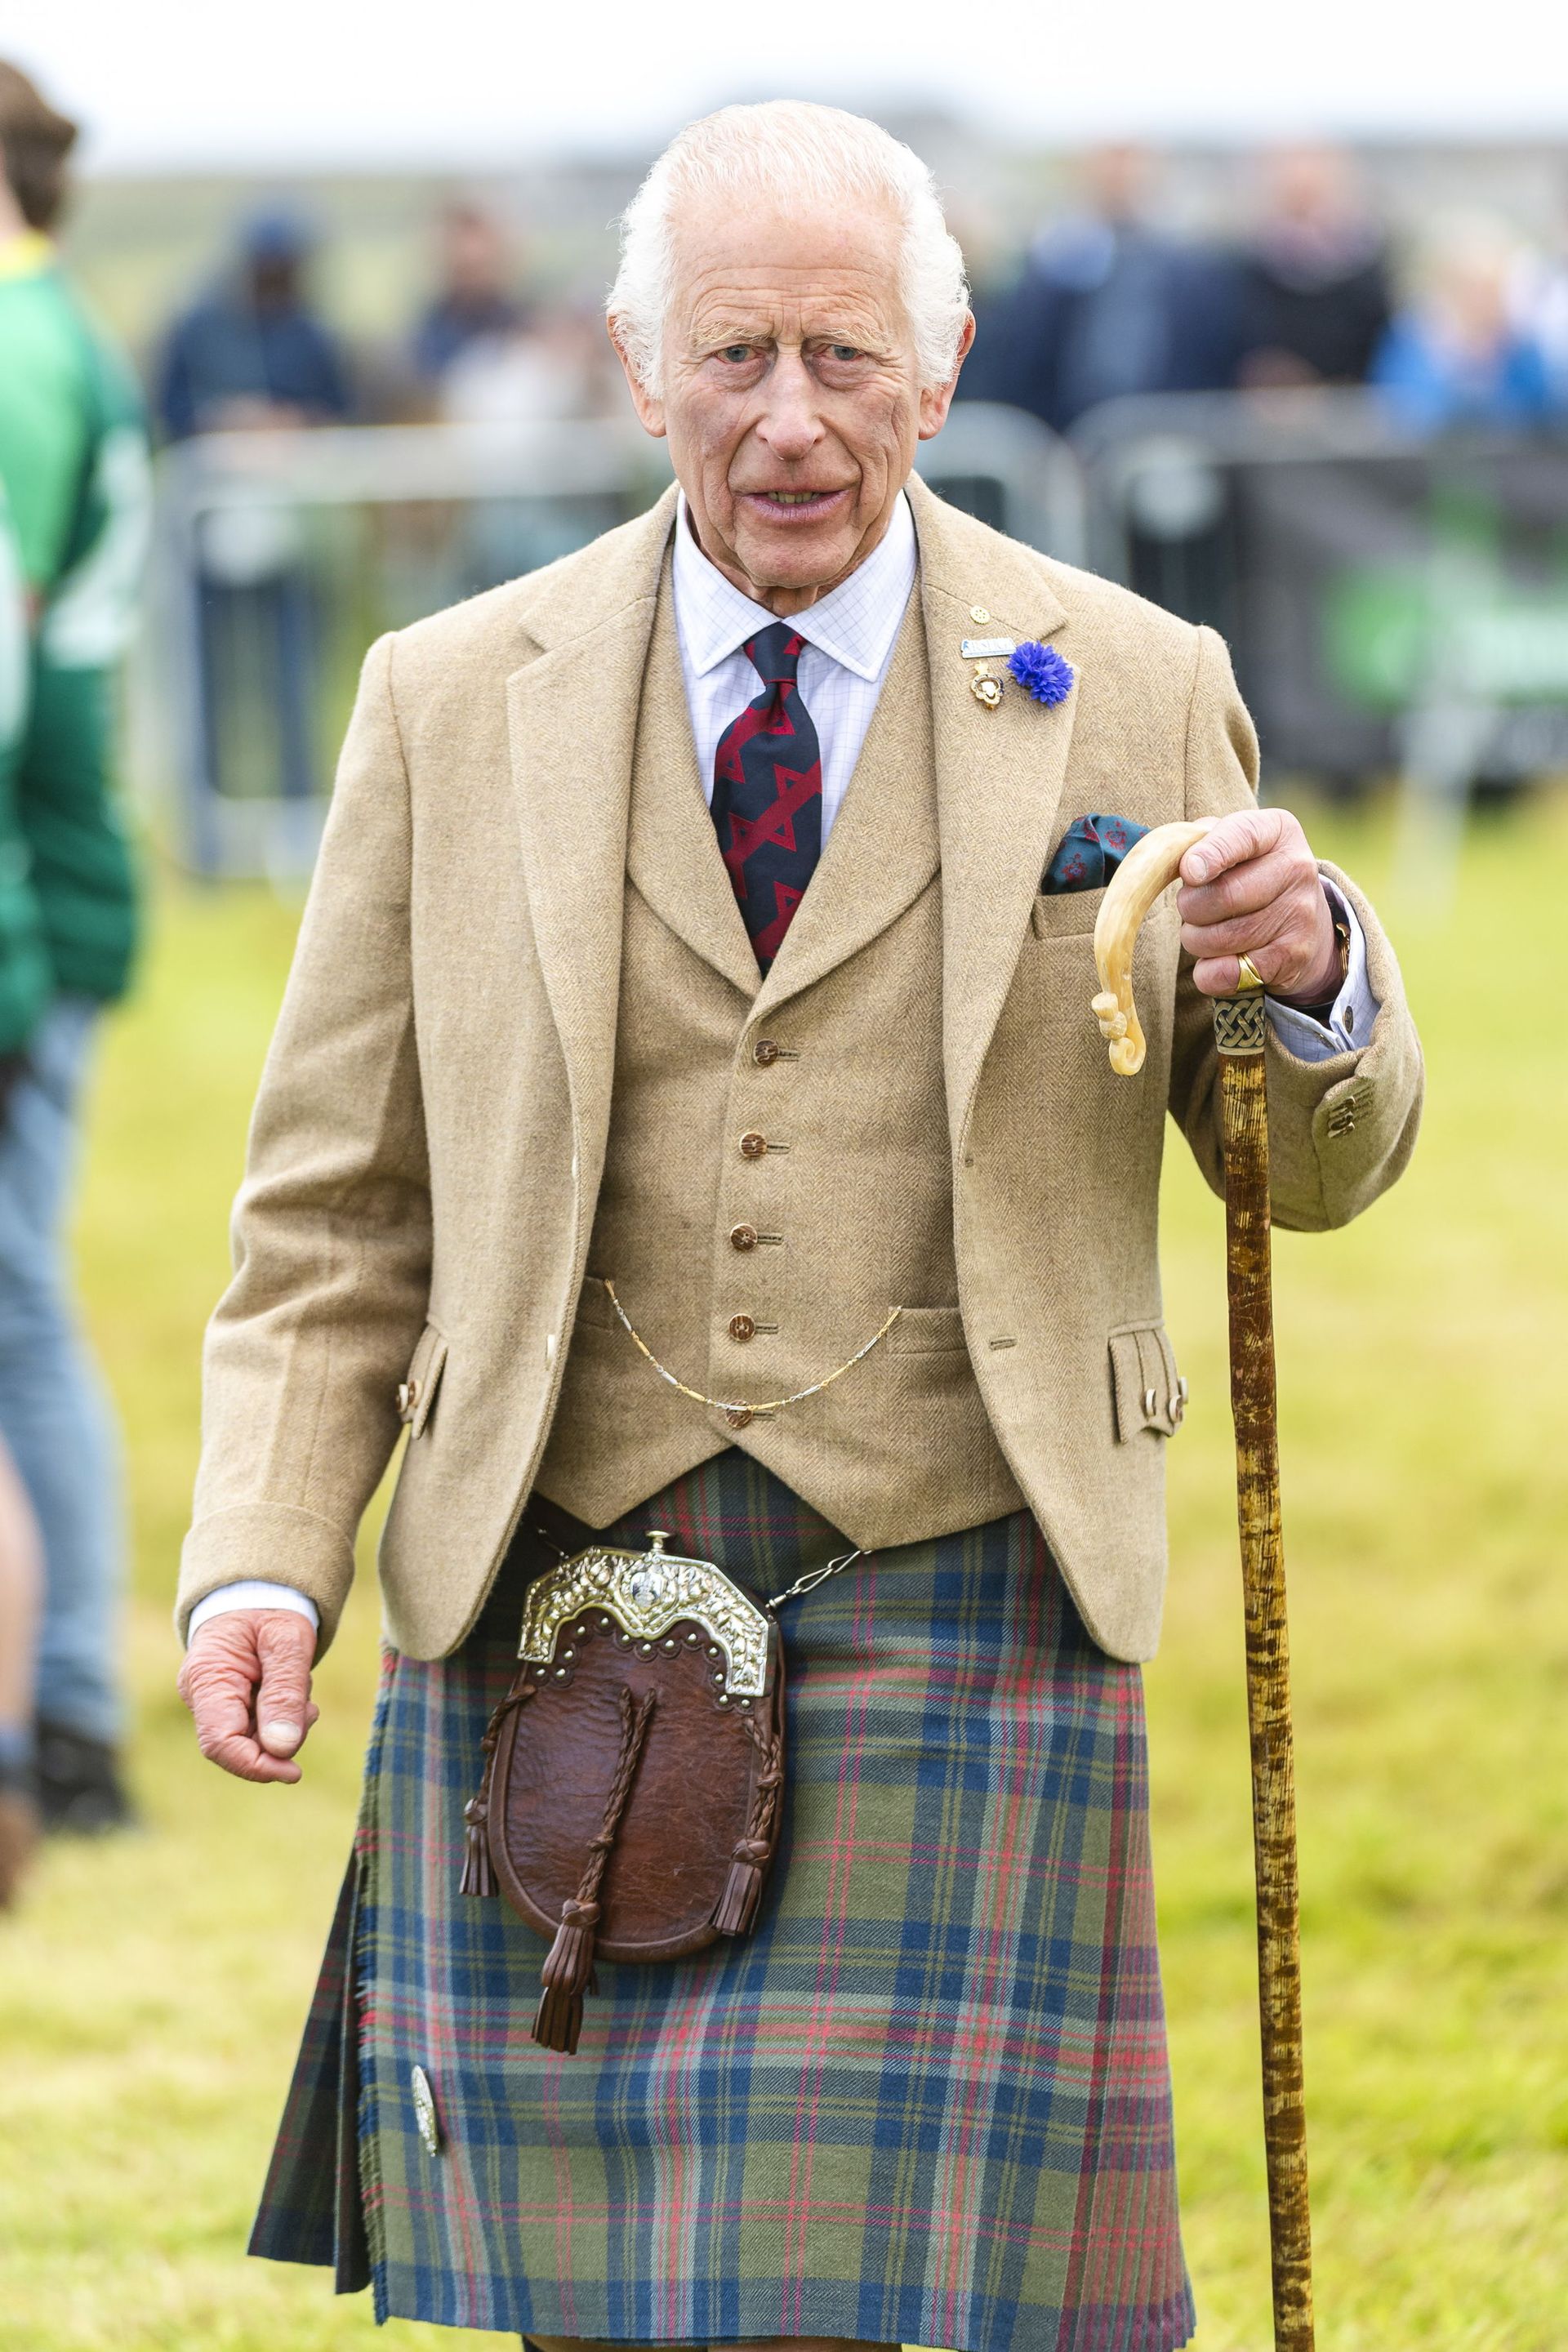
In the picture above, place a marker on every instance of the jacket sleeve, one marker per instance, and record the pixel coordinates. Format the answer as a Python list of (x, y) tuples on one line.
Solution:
[(332, 1227), (1340, 1131)]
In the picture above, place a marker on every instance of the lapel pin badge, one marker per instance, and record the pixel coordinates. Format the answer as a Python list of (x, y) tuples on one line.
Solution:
[(1042, 672), (984, 685)]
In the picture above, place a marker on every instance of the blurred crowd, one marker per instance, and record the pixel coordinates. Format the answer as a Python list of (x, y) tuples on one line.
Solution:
[(1108, 301), (256, 348), (1469, 330), (1461, 329)]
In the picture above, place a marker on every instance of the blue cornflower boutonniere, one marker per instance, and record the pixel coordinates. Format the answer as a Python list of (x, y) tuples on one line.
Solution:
[(1041, 671)]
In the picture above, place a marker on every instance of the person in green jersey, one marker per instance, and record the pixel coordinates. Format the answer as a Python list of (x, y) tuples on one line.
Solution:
[(74, 469)]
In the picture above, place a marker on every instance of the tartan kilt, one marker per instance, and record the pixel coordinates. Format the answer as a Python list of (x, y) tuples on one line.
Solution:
[(926, 2101)]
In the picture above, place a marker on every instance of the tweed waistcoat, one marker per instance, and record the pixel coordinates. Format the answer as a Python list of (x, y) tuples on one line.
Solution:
[(751, 1271)]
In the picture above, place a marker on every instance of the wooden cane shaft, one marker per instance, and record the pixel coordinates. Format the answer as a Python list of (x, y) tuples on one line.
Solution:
[(1253, 1405)]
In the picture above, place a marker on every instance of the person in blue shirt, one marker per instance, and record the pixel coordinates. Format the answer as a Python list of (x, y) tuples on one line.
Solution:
[(1456, 356), (1110, 304), (252, 351), (252, 354)]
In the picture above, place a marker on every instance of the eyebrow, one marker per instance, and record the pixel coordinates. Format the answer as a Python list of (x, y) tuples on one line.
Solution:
[(864, 334)]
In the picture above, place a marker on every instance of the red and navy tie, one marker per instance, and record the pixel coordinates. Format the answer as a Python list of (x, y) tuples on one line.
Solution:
[(767, 793)]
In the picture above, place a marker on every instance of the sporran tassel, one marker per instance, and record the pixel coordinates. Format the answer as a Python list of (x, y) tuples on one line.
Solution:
[(736, 1908), (479, 1871), (568, 1967), (569, 1964)]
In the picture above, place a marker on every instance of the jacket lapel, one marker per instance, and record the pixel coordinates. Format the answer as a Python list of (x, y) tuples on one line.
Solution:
[(673, 856), (572, 714), (573, 711), (999, 777), (882, 850)]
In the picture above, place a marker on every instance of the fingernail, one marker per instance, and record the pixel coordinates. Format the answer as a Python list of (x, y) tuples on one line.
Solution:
[(281, 1735), (1199, 864)]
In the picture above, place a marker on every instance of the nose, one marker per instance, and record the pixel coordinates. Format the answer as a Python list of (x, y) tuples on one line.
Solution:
[(789, 425)]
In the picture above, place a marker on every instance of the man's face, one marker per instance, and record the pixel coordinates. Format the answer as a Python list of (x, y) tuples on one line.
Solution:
[(792, 400)]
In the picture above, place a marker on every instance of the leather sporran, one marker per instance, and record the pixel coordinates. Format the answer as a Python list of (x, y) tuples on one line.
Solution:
[(634, 1777)]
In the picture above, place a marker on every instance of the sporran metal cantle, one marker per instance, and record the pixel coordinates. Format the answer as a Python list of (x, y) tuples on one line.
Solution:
[(1239, 1021)]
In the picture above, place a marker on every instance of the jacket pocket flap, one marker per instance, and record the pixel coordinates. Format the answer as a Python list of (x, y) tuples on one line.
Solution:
[(1146, 1388), (926, 1331), (416, 1390)]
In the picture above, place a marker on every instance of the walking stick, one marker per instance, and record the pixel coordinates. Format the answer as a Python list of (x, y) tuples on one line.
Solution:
[(1239, 1021)]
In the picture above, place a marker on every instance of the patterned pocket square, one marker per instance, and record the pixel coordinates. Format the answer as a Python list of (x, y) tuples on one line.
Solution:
[(1089, 851)]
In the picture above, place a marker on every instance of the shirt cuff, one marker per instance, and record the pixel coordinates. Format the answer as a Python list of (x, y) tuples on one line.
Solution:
[(253, 1592), (1353, 1011)]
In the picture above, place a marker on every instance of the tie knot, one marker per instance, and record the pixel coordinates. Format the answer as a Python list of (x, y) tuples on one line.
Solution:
[(774, 654)]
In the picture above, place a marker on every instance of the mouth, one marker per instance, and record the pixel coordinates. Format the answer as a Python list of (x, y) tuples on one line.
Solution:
[(794, 506)]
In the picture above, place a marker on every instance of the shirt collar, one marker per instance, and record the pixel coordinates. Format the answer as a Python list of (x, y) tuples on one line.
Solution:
[(855, 626)]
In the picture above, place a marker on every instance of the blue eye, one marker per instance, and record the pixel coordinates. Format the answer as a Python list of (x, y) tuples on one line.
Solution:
[(736, 351), (843, 351)]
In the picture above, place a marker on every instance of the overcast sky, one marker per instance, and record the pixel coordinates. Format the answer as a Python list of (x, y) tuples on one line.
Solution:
[(167, 84)]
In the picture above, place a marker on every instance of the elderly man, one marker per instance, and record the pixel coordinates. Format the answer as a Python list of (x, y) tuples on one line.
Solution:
[(695, 944)]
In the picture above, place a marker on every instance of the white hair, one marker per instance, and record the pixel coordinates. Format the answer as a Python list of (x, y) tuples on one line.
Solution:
[(791, 149)]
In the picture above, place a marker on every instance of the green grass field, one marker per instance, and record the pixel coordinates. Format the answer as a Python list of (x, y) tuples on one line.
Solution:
[(152, 1990)]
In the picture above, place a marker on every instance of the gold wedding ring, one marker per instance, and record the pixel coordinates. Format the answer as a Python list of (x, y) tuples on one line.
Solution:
[(1247, 973)]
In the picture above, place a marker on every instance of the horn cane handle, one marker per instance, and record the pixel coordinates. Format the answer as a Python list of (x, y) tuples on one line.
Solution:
[(1149, 866)]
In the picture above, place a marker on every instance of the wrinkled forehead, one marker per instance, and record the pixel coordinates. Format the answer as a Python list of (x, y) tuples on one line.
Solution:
[(771, 273)]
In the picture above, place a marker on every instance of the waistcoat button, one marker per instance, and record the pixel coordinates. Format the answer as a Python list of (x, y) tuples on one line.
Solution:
[(752, 1145), (741, 1327), (743, 1237), (765, 1053)]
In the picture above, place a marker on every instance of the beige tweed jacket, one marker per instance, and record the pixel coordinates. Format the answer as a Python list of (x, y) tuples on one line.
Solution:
[(429, 1137)]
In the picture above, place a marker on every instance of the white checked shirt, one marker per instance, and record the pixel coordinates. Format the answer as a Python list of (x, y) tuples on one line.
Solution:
[(850, 636)]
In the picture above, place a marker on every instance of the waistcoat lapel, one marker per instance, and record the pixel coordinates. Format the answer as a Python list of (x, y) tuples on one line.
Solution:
[(999, 777), (882, 850), (572, 715), (673, 856)]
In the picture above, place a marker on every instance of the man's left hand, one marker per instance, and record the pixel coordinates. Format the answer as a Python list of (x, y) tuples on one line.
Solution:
[(1252, 888)]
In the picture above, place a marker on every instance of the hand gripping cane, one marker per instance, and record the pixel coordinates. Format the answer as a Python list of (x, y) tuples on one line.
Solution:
[(1239, 1021)]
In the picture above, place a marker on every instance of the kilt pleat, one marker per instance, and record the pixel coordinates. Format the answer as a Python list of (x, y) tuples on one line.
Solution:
[(927, 2101)]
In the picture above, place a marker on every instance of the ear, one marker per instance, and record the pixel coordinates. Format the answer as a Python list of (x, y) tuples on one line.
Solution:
[(649, 409), (935, 405)]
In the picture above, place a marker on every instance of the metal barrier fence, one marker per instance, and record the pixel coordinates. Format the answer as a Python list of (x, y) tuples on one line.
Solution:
[(1390, 605), (281, 556)]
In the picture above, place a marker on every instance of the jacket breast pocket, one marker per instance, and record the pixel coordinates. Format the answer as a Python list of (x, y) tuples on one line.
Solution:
[(1147, 1390), (1061, 914), (416, 1389)]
